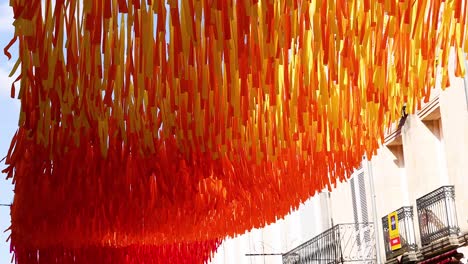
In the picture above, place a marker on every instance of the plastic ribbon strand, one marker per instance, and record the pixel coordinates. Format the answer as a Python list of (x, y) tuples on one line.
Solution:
[(148, 125), (181, 253)]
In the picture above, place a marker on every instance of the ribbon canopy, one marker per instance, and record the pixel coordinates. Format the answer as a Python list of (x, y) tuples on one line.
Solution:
[(149, 131)]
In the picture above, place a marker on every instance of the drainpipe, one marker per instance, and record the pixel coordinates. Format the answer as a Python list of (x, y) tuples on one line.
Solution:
[(465, 79), (329, 209), (374, 211)]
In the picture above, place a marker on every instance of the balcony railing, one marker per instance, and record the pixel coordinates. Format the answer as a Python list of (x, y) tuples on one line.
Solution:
[(344, 243), (437, 215), (406, 231)]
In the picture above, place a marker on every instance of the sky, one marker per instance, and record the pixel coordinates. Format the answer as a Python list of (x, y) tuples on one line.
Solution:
[(9, 113)]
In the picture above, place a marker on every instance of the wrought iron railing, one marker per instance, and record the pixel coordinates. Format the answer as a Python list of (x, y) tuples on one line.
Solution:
[(406, 231), (344, 243), (437, 215)]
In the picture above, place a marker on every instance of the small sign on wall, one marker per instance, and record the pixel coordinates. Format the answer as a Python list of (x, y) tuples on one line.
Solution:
[(393, 231)]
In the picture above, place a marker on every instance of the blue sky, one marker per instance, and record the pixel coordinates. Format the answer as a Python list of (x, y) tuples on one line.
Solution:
[(9, 112)]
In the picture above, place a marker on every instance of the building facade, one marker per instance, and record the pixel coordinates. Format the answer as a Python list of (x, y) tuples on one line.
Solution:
[(420, 174)]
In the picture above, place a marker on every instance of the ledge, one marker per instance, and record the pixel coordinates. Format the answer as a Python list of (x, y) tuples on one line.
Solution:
[(440, 246), (431, 110)]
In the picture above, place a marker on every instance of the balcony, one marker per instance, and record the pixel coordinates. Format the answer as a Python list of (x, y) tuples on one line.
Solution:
[(437, 215), (344, 243), (406, 231)]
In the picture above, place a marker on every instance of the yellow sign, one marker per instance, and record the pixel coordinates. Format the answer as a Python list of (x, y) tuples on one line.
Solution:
[(393, 231)]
